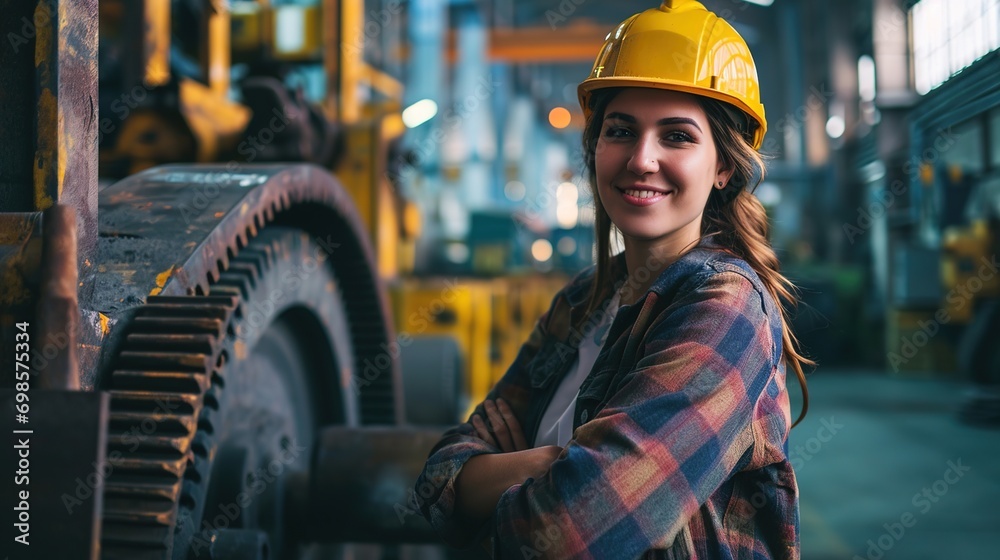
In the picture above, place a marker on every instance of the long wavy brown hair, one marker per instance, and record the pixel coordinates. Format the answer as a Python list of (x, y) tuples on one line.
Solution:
[(734, 216)]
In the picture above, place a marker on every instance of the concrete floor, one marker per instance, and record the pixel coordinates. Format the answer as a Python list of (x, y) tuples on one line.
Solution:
[(868, 449)]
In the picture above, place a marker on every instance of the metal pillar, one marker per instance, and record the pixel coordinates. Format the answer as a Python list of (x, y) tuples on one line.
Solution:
[(474, 89), (147, 36), (65, 163), (48, 166), (427, 31), (894, 100), (48, 100)]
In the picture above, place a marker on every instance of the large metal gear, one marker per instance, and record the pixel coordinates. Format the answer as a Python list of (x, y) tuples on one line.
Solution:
[(218, 395)]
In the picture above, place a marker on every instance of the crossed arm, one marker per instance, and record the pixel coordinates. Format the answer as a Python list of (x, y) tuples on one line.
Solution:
[(485, 478), (675, 430)]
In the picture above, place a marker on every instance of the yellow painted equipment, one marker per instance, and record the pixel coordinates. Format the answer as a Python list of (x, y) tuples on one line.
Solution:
[(291, 32), (964, 251), (462, 310), (489, 318)]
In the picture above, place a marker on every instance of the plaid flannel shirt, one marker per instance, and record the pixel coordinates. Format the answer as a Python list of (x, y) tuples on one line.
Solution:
[(680, 435)]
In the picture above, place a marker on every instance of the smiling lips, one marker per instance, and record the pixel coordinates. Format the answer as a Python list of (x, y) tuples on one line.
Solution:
[(642, 195)]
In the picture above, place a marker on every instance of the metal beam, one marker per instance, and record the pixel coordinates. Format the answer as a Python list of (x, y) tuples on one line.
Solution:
[(147, 39), (577, 43), (48, 108), (216, 47), (65, 163)]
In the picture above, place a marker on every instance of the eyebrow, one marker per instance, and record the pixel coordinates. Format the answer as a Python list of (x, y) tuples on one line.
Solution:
[(662, 122)]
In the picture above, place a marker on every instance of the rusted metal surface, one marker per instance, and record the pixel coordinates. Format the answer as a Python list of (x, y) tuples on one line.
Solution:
[(171, 358), (20, 260), (65, 161), (57, 314), (48, 92), (172, 230), (370, 472), (194, 372), (20, 257)]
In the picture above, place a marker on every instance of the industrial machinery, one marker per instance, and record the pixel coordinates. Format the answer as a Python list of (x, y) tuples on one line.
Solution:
[(200, 359), (169, 116), (969, 272), (211, 81)]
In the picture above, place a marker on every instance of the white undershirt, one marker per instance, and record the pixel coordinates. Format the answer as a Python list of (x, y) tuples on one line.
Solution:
[(556, 426)]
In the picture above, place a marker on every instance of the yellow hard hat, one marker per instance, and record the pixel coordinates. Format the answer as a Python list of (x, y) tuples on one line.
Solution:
[(684, 47)]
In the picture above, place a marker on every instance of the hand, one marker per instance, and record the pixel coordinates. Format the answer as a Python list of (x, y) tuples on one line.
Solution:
[(506, 430)]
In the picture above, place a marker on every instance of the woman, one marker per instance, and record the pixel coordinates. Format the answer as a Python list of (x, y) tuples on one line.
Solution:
[(647, 414)]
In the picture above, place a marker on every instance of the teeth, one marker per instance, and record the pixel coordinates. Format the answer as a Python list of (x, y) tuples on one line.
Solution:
[(641, 194)]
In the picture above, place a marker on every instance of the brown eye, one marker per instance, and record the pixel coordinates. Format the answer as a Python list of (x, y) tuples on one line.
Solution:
[(616, 132), (678, 136)]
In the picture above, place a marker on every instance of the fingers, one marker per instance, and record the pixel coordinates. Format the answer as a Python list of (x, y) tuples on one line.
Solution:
[(482, 431), (516, 433), (500, 429), (498, 426)]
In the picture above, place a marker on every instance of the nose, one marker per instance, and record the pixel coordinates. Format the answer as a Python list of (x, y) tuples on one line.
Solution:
[(644, 156)]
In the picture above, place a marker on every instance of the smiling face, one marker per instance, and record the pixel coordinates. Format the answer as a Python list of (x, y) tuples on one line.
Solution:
[(656, 164)]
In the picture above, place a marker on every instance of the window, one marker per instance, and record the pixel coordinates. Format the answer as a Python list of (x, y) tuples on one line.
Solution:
[(948, 36), (964, 149)]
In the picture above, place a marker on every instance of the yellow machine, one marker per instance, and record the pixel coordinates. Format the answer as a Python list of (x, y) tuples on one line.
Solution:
[(482, 326), (487, 318), (965, 249)]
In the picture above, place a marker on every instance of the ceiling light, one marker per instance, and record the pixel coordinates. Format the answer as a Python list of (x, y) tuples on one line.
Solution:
[(419, 113)]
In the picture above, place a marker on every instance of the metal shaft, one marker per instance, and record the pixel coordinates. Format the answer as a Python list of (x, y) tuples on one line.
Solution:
[(360, 487)]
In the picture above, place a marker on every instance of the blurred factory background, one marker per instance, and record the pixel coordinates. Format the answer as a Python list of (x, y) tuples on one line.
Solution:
[(454, 126)]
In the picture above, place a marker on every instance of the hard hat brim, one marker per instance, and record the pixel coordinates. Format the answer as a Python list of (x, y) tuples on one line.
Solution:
[(755, 114)]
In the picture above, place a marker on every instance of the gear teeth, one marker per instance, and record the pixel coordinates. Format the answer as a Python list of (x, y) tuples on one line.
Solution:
[(173, 381), (192, 303), (131, 489), (153, 401), (234, 283), (178, 310), (173, 361), (166, 389), (200, 445), (150, 514), (156, 468), (179, 324), (259, 256), (135, 423), (168, 363), (201, 343), (166, 445), (126, 534), (248, 270)]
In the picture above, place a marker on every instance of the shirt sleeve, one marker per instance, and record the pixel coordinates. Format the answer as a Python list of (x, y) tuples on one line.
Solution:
[(434, 492), (676, 428)]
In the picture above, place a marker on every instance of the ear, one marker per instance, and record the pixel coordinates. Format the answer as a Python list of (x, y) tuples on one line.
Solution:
[(722, 177)]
